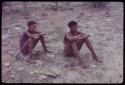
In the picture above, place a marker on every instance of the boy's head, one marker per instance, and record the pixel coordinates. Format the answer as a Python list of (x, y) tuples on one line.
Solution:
[(73, 25), (31, 26)]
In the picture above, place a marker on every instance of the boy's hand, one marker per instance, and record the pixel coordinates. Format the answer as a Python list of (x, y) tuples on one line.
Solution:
[(80, 35), (36, 36), (83, 36)]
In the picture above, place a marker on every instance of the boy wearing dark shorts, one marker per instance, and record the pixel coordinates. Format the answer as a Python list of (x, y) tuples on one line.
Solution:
[(73, 42)]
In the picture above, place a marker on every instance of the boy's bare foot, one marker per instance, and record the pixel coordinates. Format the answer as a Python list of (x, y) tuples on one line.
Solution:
[(99, 61), (95, 58)]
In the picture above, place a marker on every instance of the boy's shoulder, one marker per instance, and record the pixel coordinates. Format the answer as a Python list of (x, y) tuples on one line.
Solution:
[(67, 33), (25, 32)]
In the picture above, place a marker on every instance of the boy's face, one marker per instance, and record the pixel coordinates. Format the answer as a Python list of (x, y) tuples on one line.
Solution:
[(32, 28), (74, 28)]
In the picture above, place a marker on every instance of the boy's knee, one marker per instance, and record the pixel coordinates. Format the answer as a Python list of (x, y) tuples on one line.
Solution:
[(84, 39), (41, 37)]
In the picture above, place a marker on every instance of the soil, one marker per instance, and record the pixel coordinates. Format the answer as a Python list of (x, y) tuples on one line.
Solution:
[(106, 36)]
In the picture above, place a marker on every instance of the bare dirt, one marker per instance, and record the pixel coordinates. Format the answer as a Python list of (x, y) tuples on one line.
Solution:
[(106, 35)]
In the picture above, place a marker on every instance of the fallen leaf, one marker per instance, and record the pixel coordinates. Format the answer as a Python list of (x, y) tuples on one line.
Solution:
[(20, 68), (108, 20), (7, 64), (50, 75), (42, 77)]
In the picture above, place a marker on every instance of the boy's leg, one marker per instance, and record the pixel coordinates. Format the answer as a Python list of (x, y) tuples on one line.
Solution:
[(41, 38), (80, 43), (86, 40), (30, 46), (76, 53), (26, 48)]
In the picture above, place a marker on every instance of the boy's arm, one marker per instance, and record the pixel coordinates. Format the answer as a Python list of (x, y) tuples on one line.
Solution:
[(29, 34), (82, 34), (38, 33), (34, 35)]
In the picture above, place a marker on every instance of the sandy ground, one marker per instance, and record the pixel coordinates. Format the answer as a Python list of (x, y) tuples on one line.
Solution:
[(106, 35)]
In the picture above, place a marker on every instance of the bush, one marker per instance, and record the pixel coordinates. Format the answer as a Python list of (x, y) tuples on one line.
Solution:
[(6, 4), (99, 4)]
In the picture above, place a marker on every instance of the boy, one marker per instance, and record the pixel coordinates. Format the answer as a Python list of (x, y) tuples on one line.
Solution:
[(30, 38), (73, 42)]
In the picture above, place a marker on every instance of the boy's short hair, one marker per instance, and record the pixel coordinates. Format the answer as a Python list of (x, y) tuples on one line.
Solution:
[(31, 23), (72, 23)]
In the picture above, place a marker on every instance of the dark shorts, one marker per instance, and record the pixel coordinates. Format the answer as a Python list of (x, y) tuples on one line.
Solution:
[(69, 50)]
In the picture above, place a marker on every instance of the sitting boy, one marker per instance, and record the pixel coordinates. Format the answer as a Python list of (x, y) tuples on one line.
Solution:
[(73, 42), (30, 38)]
